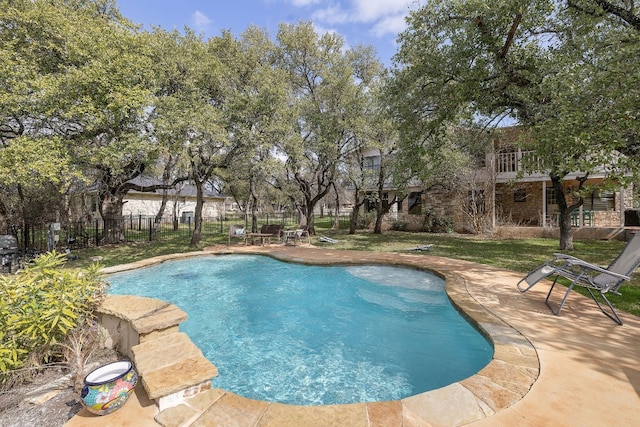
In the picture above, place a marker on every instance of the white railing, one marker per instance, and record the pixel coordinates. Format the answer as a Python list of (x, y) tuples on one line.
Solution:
[(511, 162)]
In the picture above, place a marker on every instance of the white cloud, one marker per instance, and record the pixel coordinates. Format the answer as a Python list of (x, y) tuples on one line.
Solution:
[(332, 15), (386, 16), (390, 25), (300, 3), (200, 20), (374, 10)]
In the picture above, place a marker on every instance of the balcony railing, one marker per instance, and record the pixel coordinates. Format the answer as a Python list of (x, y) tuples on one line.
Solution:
[(511, 162)]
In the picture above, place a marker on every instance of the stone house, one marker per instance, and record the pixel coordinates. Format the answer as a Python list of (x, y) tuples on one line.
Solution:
[(182, 198), (496, 196)]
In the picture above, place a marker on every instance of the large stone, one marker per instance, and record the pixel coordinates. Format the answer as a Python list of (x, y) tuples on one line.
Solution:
[(170, 364), (178, 377), (453, 405), (280, 415), (152, 355), (232, 410)]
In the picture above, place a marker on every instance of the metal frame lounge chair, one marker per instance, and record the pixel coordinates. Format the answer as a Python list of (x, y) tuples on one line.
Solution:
[(586, 275)]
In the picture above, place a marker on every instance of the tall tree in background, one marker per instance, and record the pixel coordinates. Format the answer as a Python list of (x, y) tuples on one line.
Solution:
[(256, 113), (325, 94), (76, 90), (533, 61)]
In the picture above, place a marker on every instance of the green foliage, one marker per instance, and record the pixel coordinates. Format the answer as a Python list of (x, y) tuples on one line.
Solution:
[(329, 88), (567, 72), (365, 219), (40, 305), (399, 225), (433, 223)]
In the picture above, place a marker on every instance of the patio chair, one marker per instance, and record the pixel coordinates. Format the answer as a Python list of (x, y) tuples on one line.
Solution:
[(237, 232), (294, 236), (586, 275)]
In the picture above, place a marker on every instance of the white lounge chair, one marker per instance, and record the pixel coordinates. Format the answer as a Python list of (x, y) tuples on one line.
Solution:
[(328, 240), (589, 276), (421, 248)]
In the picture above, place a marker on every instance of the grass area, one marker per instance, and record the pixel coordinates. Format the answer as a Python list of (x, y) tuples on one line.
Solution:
[(519, 255)]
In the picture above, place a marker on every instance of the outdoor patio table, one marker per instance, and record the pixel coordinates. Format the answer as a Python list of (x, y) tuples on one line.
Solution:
[(262, 236)]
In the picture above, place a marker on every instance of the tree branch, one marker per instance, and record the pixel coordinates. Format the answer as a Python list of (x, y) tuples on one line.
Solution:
[(512, 31)]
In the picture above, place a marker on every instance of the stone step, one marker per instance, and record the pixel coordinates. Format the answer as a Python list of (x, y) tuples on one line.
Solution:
[(172, 368), (130, 320)]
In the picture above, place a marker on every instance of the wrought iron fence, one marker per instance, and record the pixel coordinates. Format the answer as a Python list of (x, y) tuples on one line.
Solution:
[(34, 238)]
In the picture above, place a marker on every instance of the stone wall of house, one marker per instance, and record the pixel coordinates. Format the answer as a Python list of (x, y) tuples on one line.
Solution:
[(519, 204), (442, 204), (608, 218)]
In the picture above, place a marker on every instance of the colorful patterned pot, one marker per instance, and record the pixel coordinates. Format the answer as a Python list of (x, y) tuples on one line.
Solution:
[(107, 388)]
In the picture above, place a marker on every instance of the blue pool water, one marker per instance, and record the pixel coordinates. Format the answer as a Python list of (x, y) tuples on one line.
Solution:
[(316, 335)]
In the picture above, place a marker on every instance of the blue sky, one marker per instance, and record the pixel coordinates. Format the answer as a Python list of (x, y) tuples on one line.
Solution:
[(370, 22)]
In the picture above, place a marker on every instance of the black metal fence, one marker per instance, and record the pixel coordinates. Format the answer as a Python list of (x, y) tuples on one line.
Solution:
[(40, 237)]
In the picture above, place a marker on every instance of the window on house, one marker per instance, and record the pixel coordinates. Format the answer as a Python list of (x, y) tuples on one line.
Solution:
[(369, 204), (600, 200), (371, 165), (552, 198), (415, 203), (520, 195)]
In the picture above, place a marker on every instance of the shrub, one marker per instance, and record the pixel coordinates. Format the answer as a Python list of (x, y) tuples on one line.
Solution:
[(399, 225), (40, 305), (365, 220), (433, 223)]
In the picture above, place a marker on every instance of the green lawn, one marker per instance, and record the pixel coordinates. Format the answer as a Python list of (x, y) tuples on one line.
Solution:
[(515, 254)]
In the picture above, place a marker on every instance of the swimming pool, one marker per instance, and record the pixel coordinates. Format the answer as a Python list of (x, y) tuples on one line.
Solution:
[(316, 335)]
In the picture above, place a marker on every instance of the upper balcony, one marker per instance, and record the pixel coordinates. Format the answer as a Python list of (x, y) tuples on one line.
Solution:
[(509, 164)]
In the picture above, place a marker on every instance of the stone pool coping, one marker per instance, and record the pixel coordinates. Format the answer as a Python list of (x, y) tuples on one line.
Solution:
[(503, 382)]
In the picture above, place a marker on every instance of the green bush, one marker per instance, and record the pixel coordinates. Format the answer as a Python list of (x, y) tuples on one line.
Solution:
[(365, 220), (433, 223), (399, 225), (40, 305)]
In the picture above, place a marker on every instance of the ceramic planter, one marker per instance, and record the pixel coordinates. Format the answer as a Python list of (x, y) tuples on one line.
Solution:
[(107, 388)]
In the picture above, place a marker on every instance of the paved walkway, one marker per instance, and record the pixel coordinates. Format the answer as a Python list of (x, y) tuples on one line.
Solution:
[(589, 366)]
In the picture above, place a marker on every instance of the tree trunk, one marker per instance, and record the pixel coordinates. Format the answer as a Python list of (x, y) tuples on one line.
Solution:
[(380, 210), (175, 213), (336, 218), (308, 213), (197, 220), (566, 232), (355, 212), (158, 218), (166, 175), (377, 227), (254, 206), (111, 212)]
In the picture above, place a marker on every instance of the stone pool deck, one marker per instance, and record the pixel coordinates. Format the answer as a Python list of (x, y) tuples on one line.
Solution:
[(576, 369)]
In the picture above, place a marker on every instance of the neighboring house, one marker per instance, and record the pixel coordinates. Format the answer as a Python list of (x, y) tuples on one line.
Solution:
[(147, 204), (526, 201)]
